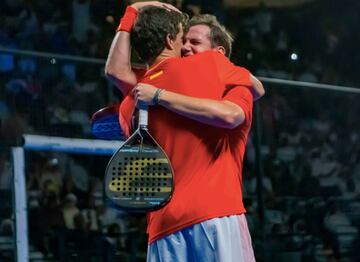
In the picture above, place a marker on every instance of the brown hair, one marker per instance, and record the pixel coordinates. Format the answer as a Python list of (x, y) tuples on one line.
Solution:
[(219, 35), (151, 28)]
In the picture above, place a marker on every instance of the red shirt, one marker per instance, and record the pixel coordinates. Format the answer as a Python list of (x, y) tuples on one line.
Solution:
[(207, 160)]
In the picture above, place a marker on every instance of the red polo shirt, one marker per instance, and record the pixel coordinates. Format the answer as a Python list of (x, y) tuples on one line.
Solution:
[(207, 160)]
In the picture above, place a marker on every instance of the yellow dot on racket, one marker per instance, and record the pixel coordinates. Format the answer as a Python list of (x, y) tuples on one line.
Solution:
[(113, 185)]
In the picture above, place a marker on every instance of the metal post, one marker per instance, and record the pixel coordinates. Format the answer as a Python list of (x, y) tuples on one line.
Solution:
[(21, 222)]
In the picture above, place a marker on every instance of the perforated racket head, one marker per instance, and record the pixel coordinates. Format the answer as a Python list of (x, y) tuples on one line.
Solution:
[(139, 176), (105, 123)]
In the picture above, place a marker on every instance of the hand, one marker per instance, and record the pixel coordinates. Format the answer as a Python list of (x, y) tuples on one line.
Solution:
[(144, 93), (140, 5)]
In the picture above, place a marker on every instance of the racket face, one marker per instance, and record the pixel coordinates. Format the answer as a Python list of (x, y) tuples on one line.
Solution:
[(105, 123), (107, 128), (139, 176)]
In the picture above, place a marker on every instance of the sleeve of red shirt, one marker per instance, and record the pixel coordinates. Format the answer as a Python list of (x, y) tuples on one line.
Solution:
[(242, 97), (237, 82), (139, 73), (229, 73), (126, 110)]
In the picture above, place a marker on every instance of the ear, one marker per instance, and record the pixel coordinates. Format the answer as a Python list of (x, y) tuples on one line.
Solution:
[(169, 42), (220, 49)]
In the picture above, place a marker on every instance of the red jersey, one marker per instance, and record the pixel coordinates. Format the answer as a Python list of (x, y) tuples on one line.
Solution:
[(207, 160)]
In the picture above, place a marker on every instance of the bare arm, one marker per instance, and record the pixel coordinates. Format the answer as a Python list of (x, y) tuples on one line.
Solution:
[(118, 68), (219, 113), (257, 89), (118, 65)]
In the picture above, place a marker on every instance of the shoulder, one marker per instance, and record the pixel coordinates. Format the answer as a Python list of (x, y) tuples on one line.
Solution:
[(207, 59), (206, 55)]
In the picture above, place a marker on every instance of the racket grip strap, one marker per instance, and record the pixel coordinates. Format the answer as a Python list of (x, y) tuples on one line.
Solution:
[(143, 116)]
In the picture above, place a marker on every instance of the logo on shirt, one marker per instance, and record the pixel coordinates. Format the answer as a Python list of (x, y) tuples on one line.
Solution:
[(156, 75)]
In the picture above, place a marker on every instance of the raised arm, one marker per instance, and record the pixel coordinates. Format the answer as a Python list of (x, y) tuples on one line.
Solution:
[(118, 68), (118, 65)]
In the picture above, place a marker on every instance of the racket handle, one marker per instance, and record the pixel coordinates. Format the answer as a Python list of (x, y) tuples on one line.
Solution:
[(143, 115)]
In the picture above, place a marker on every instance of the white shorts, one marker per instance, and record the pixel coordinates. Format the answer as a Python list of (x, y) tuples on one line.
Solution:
[(225, 239)]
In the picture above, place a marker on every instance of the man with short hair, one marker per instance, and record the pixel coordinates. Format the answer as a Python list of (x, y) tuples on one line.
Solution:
[(204, 32), (201, 117)]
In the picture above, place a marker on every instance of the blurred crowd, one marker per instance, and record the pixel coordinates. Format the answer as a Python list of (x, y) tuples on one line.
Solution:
[(311, 174), (67, 214), (310, 138)]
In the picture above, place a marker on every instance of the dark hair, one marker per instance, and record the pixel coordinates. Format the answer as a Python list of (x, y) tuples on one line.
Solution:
[(152, 26), (219, 36)]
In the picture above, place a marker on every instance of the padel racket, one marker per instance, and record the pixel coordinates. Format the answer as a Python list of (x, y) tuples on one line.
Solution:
[(105, 123), (139, 176)]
